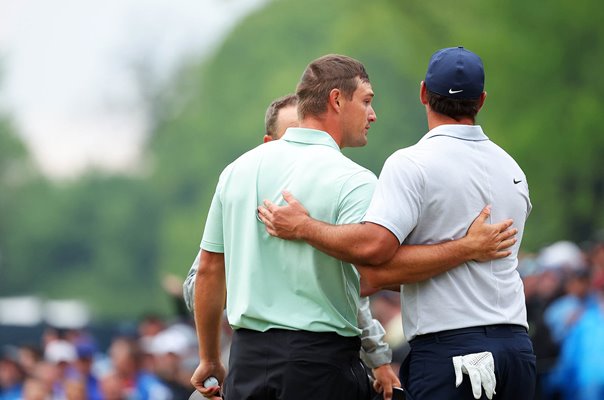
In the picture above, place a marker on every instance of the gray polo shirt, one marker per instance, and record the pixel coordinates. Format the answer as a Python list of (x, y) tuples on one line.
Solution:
[(430, 193), (274, 283)]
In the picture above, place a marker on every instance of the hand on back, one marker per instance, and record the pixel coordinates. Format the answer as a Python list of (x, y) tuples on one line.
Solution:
[(490, 241)]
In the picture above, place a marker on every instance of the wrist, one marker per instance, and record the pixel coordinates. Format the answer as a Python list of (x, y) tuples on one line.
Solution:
[(303, 229), (210, 361), (467, 248)]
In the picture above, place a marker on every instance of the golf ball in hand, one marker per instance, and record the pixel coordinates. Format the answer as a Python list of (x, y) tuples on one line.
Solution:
[(210, 382)]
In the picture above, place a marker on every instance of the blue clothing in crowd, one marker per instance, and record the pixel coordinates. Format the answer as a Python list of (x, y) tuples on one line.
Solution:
[(580, 371), (13, 393)]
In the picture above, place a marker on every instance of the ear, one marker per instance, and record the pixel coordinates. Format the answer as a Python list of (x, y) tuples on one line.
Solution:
[(267, 138), (483, 97), (334, 99), (423, 97)]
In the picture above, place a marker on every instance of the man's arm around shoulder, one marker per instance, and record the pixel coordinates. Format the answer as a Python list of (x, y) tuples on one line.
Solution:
[(362, 243), (416, 263)]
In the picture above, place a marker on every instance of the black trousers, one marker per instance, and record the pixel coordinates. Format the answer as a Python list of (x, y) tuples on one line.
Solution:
[(295, 365)]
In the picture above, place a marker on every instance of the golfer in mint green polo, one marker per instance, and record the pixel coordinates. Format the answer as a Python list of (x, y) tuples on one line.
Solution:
[(281, 284), (292, 307)]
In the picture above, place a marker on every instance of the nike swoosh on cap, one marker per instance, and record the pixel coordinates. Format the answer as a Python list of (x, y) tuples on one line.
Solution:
[(451, 91)]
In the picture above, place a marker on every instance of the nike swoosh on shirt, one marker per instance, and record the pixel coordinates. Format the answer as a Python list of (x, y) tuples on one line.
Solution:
[(517, 181), (451, 91)]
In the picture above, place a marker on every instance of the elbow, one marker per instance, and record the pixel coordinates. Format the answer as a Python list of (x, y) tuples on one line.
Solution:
[(210, 264)]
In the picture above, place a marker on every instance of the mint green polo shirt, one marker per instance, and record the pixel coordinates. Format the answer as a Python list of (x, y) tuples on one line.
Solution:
[(274, 283)]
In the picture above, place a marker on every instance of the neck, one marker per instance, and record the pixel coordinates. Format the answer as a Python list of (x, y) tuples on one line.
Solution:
[(322, 123), (435, 119)]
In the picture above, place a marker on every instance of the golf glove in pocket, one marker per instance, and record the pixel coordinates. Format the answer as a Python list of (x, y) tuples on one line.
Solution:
[(480, 367)]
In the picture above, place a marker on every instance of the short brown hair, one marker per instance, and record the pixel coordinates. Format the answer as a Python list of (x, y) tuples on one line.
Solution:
[(454, 108), (272, 112), (329, 72)]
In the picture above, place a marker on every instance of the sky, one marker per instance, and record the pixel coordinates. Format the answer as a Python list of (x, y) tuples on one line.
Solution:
[(66, 71)]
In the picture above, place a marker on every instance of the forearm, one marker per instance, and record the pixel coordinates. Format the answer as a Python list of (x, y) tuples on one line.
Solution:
[(416, 263), (210, 293), (374, 350), (363, 243), (188, 286)]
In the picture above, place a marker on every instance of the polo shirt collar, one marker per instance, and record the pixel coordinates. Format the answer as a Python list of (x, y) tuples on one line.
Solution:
[(309, 136), (472, 133)]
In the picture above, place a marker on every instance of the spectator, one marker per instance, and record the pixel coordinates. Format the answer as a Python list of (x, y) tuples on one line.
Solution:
[(126, 357), (170, 348), (82, 371), (111, 387), (61, 356), (29, 356), (563, 312), (596, 257), (35, 389), (580, 371), (11, 374)]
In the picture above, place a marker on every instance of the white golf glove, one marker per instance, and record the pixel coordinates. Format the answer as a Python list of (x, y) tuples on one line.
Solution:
[(481, 369)]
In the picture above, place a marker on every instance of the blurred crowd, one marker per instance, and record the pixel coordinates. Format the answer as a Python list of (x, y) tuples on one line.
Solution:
[(564, 287), (154, 363)]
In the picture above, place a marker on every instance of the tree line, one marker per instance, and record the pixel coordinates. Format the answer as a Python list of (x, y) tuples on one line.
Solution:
[(109, 239)]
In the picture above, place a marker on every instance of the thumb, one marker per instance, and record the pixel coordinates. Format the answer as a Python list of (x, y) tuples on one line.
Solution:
[(485, 213), (288, 197)]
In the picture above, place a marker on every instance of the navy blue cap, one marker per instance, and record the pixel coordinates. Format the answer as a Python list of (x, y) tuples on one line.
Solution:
[(456, 73)]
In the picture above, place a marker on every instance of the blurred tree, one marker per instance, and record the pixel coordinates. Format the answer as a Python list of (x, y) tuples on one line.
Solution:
[(262, 59), (542, 107), (110, 239), (544, 100), (93, 239), (15, 171)]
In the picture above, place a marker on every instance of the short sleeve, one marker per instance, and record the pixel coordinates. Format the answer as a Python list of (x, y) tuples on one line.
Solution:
[(355, 197), (213, 237), (396, 203)]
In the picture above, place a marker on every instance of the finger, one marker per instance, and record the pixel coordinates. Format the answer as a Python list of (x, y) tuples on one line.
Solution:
[(262, 214), (377, 386), (388, 392), (288, 197), (503, 225), (486, 381), (270, 206), (501, 254), (506, 243), (209, 392), (457, 368), (268, 225), (476, 383), (485, 213), (489, 383), (270, 229), (507, 234)]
